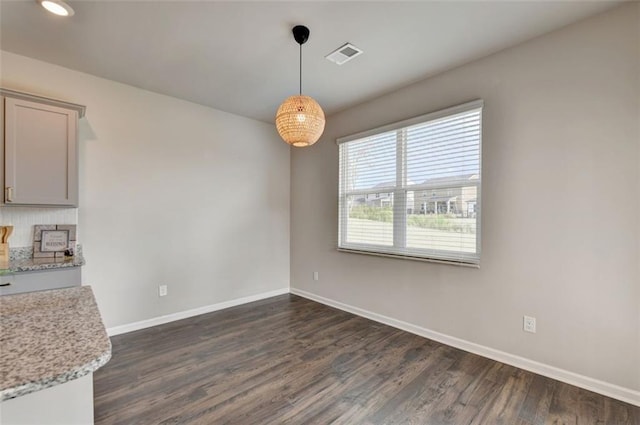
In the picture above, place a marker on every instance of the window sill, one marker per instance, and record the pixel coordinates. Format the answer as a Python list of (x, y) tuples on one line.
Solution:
[(406, 257)]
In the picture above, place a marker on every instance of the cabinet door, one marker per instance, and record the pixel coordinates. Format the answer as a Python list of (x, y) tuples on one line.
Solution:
[(41, 160)]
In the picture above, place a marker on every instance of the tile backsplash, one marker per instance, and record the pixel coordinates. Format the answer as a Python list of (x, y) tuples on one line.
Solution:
[(24, 218)]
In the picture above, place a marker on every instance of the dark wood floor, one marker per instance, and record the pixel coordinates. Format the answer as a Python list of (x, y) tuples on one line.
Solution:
[(290, 360)]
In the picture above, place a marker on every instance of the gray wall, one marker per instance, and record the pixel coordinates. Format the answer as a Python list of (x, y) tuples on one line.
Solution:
[(560, 221), (171, 193)]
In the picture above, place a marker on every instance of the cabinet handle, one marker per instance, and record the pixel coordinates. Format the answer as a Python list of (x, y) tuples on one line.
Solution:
[(9, 194)]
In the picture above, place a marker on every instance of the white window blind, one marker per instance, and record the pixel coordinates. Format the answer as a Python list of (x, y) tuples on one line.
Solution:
[(412, 189)]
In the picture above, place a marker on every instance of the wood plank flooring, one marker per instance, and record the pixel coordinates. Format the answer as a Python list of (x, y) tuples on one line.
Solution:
[(288, 360)]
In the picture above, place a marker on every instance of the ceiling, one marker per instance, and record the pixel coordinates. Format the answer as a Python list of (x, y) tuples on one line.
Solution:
[(240, 56)]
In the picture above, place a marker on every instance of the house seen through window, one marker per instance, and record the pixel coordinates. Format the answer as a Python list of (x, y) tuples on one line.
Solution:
[(412, 189)]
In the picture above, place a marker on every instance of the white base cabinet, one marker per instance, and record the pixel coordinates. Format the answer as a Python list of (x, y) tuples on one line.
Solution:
[(20, 282), (70, 403)]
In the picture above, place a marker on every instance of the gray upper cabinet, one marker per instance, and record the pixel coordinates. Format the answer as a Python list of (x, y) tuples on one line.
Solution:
[(40, 150)]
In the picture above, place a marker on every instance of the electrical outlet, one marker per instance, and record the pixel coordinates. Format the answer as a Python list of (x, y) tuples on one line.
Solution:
[(529, 324), (162, 290), (316, 276)]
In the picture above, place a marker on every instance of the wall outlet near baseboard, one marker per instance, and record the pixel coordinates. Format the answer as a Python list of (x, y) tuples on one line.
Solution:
[(162, 290), (529, 324), (316, 276)]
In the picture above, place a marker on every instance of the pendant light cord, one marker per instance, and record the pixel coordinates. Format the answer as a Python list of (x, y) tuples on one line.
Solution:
[(301, 69)]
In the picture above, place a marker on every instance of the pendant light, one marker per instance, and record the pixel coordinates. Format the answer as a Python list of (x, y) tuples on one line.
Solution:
[(300, 120)]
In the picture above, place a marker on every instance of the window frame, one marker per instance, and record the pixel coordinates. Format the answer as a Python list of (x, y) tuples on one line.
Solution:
[(400, 190)]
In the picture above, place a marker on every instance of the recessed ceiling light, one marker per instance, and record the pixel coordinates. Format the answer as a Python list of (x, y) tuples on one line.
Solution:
[(57, 7)]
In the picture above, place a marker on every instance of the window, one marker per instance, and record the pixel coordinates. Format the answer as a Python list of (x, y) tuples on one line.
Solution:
[(412, 189)]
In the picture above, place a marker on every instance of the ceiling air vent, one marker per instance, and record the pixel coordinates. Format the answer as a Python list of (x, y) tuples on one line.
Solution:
[(344, 54)]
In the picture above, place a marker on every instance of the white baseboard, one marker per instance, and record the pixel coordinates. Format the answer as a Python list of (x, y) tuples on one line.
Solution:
[(610, 390), (130, 327)]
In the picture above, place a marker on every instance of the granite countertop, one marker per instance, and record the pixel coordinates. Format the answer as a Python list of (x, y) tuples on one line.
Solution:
[(21, 260), (34, 264), (48, 338)]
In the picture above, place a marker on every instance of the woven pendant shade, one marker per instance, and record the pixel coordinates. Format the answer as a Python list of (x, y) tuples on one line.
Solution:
[(300, 121)]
